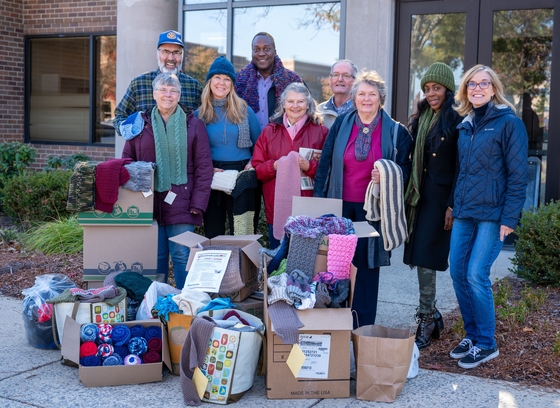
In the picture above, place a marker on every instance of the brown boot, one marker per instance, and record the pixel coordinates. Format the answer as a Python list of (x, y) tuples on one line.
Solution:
[(427, 329)]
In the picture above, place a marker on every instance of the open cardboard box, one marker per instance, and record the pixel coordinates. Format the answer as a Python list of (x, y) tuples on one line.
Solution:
[(250, 248), (119, 248), (113, 375), (132, 208), (335, 324)]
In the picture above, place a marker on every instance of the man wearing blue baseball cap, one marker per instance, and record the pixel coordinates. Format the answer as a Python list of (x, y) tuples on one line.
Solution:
[(139, 95)]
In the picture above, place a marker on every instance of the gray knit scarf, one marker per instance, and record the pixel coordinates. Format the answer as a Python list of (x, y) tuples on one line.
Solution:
[(171, 149), (244, 138)]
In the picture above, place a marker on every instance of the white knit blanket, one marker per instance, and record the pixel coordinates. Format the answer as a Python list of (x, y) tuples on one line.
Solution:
[(389, 206)]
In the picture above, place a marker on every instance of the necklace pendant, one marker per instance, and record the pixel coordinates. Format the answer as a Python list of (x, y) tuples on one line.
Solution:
[(365, 130)]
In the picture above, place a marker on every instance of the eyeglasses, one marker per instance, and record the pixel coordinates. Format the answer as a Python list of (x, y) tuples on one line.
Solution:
[(344, 76), (167, 53), (165, 91), (483, 85)]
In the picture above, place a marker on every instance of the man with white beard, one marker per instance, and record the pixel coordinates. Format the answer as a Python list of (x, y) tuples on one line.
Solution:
[(139, 95)]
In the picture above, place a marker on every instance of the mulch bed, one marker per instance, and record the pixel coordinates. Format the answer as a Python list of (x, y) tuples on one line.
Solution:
[(527, 350)]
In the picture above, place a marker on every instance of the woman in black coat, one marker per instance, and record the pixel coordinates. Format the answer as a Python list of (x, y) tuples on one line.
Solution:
[(429, 195)]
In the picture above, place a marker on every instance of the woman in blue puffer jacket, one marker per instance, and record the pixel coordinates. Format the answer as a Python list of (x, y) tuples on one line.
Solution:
[(489, 195)]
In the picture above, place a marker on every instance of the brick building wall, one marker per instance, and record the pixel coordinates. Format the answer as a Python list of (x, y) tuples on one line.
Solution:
[(43, 17), (11, 70)]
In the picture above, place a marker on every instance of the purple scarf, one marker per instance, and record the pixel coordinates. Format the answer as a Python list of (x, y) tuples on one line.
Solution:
[(246, 82)]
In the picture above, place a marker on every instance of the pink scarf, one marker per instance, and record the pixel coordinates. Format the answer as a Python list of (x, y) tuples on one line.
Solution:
[(292, 130), (288, 184)]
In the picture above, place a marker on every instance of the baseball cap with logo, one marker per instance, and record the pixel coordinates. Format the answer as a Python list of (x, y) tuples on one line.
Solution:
[(170, 37)]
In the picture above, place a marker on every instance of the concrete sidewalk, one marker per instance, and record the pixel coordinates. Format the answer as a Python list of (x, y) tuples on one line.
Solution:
[(34, 377)]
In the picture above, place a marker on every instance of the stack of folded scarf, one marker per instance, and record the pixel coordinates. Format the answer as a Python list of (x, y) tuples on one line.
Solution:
[(108, 345)]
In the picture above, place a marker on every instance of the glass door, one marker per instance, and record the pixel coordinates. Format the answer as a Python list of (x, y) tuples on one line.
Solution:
[(515, 38)]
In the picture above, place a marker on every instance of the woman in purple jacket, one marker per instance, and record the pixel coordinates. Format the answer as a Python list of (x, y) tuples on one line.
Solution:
[(178, 144)]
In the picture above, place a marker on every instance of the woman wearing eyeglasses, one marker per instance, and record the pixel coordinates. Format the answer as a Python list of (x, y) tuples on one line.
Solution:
[(429, 195), (233, 129), (178, 143), (489, 195)]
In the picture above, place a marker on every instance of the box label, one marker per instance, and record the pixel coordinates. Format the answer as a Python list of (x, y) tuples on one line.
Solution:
[(317, 350)]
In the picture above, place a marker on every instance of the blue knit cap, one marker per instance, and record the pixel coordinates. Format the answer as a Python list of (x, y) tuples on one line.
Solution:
[(221, 66)]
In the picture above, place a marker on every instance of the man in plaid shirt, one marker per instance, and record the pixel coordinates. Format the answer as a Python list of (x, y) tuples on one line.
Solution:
[(139, 95)]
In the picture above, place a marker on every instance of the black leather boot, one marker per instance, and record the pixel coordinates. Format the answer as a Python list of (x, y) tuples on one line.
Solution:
[(428, 329)]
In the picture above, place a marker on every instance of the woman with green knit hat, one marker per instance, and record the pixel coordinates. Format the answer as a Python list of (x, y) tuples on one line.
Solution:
[(429, 194)]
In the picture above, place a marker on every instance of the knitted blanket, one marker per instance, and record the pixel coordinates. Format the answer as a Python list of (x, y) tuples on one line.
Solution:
[(244, 202), (288, 185), (109, 176), (81, 190), (389, 206), (192, 356), (140, 176)]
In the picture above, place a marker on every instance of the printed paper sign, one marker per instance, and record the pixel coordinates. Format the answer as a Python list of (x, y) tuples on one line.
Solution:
[(317, 350), (207, 270)]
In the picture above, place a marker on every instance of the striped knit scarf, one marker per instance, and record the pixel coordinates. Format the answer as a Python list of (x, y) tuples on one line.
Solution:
[(389, 207), (427, 120), (171, 149)]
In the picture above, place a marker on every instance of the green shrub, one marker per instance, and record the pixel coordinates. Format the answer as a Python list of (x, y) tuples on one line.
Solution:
[(537, 250), (65, 162), (37, 197), (63, 236), (15, 157)]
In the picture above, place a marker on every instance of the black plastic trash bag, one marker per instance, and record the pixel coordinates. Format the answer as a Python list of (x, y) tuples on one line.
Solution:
[(37, 314)]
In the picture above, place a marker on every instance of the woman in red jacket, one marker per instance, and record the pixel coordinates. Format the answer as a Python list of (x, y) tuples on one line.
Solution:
[(294, 125)]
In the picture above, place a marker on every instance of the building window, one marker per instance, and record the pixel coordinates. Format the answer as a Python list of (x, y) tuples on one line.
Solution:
[(71, 89), (307, 36)]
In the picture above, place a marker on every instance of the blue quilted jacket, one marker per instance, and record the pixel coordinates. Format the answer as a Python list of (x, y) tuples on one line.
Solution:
[(492, 180)]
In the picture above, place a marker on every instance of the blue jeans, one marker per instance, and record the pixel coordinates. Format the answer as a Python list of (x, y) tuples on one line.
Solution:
[(273, 243), (179, 253), (475, 245)]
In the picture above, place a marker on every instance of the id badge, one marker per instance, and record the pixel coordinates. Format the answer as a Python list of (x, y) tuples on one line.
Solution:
[(170, 197)]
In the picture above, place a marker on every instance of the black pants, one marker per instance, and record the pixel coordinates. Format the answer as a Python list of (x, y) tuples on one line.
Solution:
[(366, 287), (220, 205)]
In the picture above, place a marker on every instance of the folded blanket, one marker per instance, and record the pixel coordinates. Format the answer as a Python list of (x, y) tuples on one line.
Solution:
[(121, 334)]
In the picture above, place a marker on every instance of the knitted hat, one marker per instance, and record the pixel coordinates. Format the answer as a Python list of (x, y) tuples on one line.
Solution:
[(170, 37), (297, 286), (277, 286), (221, 65), (441, 74), (339, 295), (323, 299)]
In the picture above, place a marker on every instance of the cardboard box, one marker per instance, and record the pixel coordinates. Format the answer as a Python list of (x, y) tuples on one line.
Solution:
[(132, 208), (119, 248), (250, 248), (326, 333), (113, 375), (252, 306)]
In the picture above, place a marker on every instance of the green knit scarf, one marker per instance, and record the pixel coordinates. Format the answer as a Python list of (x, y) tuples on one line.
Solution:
[(171, 149), (427, 120)]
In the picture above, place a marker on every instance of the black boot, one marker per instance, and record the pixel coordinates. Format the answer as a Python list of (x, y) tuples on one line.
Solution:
[(428, 329)]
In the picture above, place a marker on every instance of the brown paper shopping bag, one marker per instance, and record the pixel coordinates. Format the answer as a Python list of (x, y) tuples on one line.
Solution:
[(383, 357)]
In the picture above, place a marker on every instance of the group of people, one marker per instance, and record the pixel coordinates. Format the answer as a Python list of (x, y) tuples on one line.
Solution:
[(462, 157)]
